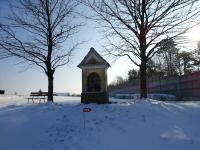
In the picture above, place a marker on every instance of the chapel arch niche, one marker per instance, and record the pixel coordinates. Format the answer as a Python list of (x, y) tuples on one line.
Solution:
[(93, 82)]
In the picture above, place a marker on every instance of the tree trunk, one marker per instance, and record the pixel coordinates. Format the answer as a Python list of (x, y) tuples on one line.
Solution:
[(184, 67), (50, 87), (50, 72), (143, 79)]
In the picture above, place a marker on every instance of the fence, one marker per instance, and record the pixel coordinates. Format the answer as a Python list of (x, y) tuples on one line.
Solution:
[(180, 86)]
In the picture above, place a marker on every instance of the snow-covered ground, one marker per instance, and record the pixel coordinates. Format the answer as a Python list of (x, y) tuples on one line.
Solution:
[(156, 96), (140, 125)]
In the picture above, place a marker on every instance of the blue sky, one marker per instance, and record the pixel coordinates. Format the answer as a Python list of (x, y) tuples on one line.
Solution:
[(13, 78)]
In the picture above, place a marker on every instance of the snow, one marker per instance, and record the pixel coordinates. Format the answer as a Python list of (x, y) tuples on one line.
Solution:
[(142, 124), (156, 96), (176, 133), (163, 97)]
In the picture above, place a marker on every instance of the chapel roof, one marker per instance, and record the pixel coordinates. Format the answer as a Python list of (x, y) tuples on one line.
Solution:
[(93, 59)]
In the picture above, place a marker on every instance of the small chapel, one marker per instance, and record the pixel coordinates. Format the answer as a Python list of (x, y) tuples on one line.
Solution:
[(94, 78)]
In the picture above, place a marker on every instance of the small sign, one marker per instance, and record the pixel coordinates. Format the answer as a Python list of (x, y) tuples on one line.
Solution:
[(87, 109)]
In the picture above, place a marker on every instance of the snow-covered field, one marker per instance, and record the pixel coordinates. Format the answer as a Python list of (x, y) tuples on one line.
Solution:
[(141, 125)]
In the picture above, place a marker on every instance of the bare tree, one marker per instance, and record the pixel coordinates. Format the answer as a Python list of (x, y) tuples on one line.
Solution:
[(134, 28), (36, 31)]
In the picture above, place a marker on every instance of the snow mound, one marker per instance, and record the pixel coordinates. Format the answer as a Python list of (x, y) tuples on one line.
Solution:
[(156, 96), (177, 134)]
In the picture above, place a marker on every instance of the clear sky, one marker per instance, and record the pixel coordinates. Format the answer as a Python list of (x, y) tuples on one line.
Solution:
[(13, 78)]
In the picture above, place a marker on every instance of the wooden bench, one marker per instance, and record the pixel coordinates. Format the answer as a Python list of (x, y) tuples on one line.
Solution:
[(38, 97)]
